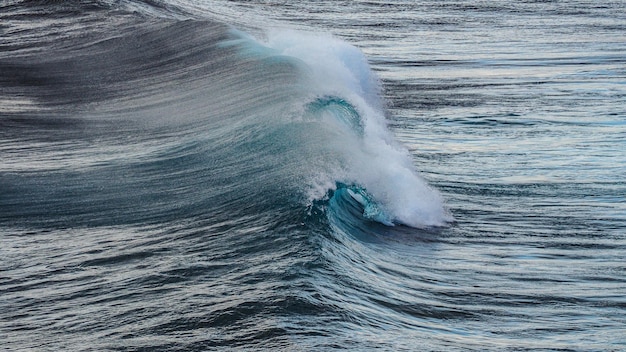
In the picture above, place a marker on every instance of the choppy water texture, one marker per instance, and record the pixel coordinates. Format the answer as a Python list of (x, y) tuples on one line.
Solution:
[(274, 175)]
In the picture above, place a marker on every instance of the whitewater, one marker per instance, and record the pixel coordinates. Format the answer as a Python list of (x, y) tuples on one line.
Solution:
[(271, 175)]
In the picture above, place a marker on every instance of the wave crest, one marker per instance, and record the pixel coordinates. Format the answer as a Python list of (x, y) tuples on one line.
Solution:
[(347, 94)]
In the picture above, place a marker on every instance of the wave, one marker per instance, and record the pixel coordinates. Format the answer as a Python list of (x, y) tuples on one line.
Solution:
[(369, 165), (158, 118)]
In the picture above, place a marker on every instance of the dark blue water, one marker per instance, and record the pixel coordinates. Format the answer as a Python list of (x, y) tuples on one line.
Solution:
[(405, 175)]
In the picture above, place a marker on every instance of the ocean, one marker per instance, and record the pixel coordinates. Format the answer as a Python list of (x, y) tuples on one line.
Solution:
[(273, 175)]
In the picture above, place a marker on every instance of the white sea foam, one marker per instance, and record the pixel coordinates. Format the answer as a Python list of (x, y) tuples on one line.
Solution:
[(373, 160)]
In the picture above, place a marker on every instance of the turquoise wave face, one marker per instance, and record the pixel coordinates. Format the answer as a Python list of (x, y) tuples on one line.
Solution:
[(360, 202), (338, 109)]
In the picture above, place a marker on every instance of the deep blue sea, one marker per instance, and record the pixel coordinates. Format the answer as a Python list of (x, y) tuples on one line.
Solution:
[(276, 175)]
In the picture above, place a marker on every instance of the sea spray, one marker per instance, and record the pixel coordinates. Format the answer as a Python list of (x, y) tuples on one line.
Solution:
[(346, 99)]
